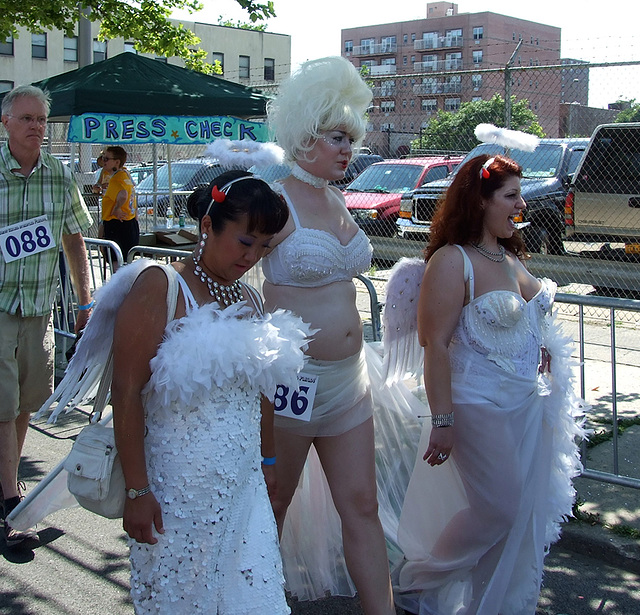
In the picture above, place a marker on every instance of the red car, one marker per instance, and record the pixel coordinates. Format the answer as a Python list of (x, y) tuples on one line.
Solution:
[(373, 198)]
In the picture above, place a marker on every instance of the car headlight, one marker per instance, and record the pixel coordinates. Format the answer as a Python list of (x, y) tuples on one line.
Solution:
[(365, 214)]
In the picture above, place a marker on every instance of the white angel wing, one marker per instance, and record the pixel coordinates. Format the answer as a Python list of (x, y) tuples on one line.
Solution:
[(83, 374), (403, 355)]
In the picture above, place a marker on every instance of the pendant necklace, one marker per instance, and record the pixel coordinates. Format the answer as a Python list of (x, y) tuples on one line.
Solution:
[(224, 295), (496, 257), (308, 178)]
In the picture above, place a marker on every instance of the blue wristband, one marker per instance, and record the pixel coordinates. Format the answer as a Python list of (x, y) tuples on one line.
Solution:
[(268, 461), (88, 306)]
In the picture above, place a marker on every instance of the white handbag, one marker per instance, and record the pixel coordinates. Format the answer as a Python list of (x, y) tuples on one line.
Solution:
[(95, 476)]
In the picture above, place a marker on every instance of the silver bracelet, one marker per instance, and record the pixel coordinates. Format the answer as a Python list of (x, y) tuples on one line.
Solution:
[(442, 420)]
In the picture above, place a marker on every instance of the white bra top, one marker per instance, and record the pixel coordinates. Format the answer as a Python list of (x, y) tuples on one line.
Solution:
[(311, 257)]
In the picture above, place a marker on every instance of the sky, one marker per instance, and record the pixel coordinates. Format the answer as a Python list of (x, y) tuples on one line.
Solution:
[(610, 34)]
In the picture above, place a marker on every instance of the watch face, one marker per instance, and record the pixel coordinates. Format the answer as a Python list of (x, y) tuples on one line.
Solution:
[(132, 493)]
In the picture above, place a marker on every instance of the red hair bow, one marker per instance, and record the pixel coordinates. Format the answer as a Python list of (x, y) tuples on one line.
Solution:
[(218, 196)]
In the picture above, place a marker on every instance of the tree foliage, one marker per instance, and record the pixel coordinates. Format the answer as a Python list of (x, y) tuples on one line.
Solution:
[(144, 21), (453, 131), (629, 114)]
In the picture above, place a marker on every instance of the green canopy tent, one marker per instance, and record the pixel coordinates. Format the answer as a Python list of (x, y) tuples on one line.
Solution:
[(129, 83)]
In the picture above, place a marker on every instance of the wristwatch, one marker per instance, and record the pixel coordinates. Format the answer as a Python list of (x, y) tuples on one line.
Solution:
[(132, 494)]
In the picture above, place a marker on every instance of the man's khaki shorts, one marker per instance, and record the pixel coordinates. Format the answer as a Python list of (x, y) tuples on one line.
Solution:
[(27, 355)]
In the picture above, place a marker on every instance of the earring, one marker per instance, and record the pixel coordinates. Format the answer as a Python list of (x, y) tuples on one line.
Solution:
[(198, 256)]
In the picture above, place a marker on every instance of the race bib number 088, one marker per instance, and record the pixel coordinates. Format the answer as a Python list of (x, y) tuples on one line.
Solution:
[(26, 238), (296, 403)]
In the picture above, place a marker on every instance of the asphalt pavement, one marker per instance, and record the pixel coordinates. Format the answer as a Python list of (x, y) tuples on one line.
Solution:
[(81, 564)]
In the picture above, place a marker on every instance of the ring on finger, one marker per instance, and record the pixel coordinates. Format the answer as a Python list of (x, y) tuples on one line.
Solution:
[(442, 456)]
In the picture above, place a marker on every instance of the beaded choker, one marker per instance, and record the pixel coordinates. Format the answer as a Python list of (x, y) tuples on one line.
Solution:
[(308, 178), (224, 295), (496, 257)]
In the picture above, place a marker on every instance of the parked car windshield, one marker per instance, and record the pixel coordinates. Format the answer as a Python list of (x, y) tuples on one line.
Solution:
[(383, 178), (542, 163), (181, 174)]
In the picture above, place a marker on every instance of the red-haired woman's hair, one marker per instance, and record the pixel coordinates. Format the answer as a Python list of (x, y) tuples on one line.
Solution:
[(459, 216)]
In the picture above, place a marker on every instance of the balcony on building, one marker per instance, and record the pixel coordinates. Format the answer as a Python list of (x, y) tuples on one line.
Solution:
[(437, 87), (438, 42), (384, 69), (438, 65), (374, 49), (384, 91)]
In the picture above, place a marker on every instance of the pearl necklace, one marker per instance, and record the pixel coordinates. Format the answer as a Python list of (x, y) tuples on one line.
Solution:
[(496, 257), (224, 295), (308, 178)]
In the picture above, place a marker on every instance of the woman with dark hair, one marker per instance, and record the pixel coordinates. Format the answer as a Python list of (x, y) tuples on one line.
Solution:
[(479, 515), (186, 396)]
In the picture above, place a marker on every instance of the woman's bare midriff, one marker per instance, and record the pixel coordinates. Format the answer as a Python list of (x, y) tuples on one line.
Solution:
[(331, 309)]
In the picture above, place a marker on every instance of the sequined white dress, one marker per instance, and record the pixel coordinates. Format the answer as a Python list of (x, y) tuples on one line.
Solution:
[(219, 553), (474, 531)]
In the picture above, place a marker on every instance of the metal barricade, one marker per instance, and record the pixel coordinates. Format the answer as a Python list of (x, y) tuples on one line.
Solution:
[(613, 306)]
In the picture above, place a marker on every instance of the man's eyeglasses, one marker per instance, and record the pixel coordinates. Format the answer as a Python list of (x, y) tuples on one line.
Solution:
[(27, 120)]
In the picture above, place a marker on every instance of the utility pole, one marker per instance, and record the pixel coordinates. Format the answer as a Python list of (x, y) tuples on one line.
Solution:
[(507, 86)]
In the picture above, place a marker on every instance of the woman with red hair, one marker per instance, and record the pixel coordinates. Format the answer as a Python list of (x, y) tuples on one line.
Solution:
[(480, 514)]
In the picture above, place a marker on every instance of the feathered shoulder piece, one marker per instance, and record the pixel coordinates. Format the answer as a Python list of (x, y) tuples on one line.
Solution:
[(514, 139), (84, 372), (403, 355)]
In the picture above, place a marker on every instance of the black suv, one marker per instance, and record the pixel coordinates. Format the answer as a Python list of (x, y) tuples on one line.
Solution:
[(546, 174)]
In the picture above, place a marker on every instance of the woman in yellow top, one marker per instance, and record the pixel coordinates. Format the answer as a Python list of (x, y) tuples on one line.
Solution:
[(119, 210)]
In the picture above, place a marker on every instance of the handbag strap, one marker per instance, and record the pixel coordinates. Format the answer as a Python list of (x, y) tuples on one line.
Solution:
[(104, 388)]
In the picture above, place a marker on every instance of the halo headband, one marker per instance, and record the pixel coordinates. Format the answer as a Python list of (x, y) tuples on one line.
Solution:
[(218, 196)]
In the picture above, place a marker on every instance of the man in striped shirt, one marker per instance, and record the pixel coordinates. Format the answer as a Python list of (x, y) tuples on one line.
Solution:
[(41, 210)]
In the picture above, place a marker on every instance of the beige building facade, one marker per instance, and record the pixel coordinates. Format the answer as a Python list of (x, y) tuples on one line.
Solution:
[(247, 56)]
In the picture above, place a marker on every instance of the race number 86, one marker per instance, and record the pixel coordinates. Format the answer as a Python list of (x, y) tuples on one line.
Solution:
[(295, 399)]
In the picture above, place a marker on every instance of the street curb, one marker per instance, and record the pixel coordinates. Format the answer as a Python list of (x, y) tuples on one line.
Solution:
[(599, 543)]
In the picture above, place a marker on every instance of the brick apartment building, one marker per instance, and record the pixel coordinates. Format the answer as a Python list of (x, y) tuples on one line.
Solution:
[(422, 66)]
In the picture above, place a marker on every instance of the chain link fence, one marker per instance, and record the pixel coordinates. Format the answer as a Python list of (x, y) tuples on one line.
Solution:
[(583, 211)]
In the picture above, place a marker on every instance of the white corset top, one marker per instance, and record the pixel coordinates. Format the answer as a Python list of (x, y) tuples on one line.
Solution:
[(504, 327)]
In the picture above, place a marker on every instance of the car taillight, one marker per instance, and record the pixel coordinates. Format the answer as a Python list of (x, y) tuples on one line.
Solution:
[(568, 209)]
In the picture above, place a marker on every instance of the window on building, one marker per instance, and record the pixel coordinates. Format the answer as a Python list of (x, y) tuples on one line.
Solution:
[(413, 59), (453, 61), (70, 48), (429, 105), (405, 60), (388, 44), (429, 40), (477, 56), (39, 46), (130, 48), (387, 127), (6, 86), (269, 69), (6, 48), (405, 39), (478, 33), (367, 45), (368, 63), (476, 81), (413, 37), (451, 104), (476, 98), (412, 103), (216, 56), (348, 46), (387, 62), (404, 103), (99, 50), (244, 67), (387, 106)]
